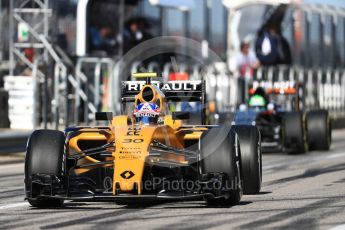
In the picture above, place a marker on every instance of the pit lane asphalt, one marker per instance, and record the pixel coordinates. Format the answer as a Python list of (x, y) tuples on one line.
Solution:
[(299, 192)]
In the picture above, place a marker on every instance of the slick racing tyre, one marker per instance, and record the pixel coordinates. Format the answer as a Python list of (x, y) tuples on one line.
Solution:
[(319, 130), (251, 159), (220, 154), (44, 156), (294, 133)]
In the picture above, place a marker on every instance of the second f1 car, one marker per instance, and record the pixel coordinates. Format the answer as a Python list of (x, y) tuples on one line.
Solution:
[(276, 108)]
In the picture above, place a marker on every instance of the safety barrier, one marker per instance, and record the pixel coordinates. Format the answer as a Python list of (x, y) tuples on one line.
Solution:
[(95, 85), (92, 76), (76, 93)]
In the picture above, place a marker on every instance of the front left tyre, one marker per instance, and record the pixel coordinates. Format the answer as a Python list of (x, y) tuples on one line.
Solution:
[(45, 157)]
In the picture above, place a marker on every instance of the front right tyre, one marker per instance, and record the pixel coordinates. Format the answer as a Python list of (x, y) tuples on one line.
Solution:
[(45, 156)]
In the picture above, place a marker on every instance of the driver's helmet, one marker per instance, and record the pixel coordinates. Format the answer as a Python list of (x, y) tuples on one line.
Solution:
[(257, 101), (147, 113)]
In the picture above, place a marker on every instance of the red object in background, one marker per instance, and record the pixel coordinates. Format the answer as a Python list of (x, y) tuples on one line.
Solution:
[(178, 76), (29, 54), (276, 91)]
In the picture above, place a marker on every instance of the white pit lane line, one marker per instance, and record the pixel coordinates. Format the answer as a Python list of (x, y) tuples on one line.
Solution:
[(339, 227), (14, 205), (304, 161)]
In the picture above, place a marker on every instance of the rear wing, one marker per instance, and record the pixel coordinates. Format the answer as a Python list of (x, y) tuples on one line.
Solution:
[(279, 87), (191, 91)]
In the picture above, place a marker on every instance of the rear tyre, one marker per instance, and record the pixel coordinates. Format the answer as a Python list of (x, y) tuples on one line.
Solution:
[(295, 136), (44, 156), (251, 159), (220, 154), (319, 130)]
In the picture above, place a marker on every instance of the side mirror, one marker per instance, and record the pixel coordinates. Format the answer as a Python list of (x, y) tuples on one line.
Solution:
[(103, 116), (182, 115)]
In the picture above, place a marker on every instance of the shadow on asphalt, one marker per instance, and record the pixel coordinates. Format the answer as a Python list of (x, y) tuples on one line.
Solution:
[(155, 204), (309, 173), (260, 193)]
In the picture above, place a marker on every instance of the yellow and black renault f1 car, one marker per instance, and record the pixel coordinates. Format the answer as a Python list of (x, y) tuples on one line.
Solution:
[(159, 149)]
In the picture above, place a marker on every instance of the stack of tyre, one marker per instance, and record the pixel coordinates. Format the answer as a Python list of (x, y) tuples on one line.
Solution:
[(307, 131), (21, 101)]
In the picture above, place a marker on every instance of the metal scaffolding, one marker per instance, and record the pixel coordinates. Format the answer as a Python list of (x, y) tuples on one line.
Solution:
[(29, 28)]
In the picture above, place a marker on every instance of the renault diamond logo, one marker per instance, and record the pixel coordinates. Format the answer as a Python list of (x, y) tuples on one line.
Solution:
[(127, 174)]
